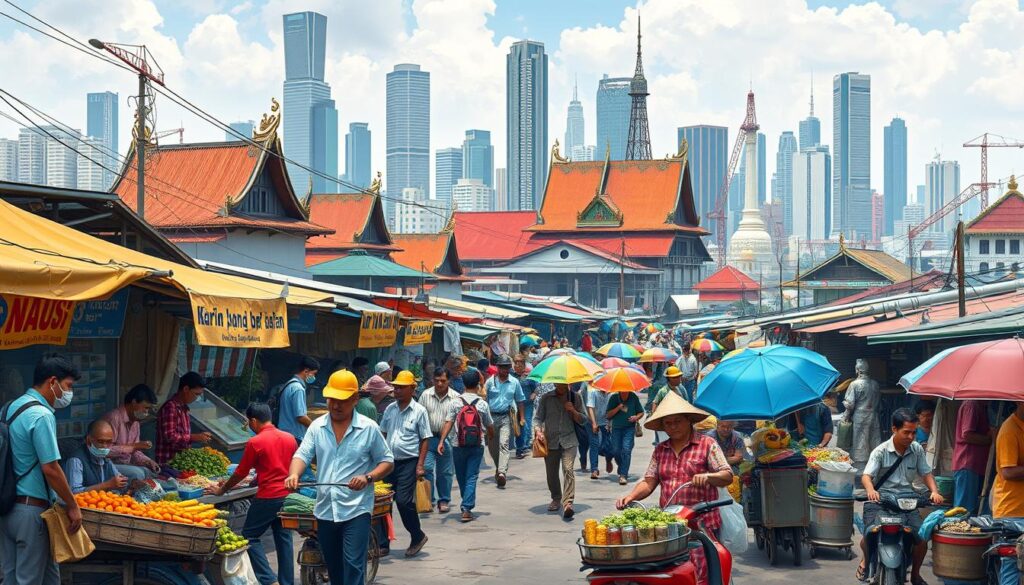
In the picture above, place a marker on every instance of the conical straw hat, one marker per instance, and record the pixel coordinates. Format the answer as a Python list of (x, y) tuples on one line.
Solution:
[(674, 404)]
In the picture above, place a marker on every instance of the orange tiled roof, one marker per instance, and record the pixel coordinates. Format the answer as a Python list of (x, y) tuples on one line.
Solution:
[(349, 215), (197, 186), (728, 278), (1004, 216), (494, 235), (436, 252)]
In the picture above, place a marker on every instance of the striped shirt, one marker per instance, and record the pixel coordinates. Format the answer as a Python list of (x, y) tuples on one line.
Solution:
[(437, 408)]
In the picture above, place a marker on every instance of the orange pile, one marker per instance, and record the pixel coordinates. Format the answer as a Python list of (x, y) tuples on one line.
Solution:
[(187, 512)]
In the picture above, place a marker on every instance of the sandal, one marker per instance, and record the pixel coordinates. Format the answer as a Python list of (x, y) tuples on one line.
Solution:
[(861, 573)]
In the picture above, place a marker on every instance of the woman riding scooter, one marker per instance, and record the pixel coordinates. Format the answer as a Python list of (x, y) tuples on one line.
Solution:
[(687, 457)]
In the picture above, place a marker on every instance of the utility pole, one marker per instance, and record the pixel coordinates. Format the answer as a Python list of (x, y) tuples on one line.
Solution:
[(910, 240), (961, 294), (798, 274), (622, 280)]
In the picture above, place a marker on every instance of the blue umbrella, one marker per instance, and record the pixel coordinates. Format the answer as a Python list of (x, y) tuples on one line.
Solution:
[(527, 341), (765, 383)]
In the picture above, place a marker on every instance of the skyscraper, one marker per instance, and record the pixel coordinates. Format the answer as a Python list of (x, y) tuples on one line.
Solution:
[(942, 185), (357, 154), (408, 132), (500, 190), (8, 160), (574, 134), (851, 161), (90, 176), (810, 127), (310, 118), (582, 153), (31, 156), (478, 157), (895, 178), (447, 172), (244, 127), (62, 158), (101, 123), (527, 124), (784, 178), (877, 216), (708, 160), (812, 193), (638, 143), (613, 107)]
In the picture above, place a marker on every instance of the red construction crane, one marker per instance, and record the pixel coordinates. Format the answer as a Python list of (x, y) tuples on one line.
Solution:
[(720, 214), (984, 142)]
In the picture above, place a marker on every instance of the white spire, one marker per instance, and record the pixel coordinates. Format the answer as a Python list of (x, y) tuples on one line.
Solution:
[(812, 94)]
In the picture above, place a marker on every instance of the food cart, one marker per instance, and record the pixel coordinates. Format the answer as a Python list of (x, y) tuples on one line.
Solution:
[(775, 505)]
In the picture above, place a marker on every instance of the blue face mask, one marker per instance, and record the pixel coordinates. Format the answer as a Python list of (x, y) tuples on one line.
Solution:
[(64, 400), (310, 379), (99, 452)]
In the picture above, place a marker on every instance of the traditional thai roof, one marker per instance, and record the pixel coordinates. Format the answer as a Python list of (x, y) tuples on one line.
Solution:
[(727, 278), (877, 261), (1006, 215), (435, 253), (494, 235), (358, 223)]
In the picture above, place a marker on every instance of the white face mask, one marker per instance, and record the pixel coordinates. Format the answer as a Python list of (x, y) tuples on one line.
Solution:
[(64, 400)]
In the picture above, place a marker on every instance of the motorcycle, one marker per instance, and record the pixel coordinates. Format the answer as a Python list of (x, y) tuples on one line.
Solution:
[(1007, 533), (890, 544)]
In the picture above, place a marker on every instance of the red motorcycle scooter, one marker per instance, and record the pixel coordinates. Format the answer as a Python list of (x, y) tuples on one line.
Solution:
[(679, 570)]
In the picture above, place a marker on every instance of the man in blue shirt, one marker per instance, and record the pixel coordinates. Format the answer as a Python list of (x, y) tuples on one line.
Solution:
[(292, 400), (813, 423), (350, 451), (505, 398), (524, 442), (24, 538)]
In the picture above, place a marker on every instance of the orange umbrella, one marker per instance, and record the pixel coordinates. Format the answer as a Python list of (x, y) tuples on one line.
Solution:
[(628, 379)]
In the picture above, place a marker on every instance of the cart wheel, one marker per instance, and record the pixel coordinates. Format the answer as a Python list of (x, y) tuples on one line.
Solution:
[(372, 558), (772, 544), (798, 547), (759, 538)]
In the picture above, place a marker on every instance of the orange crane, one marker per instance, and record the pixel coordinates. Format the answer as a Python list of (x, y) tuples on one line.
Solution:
[(720, 212), (985, 142)]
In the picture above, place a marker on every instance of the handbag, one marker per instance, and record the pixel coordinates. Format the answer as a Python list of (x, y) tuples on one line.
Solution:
[(638, 431), (540, 447), (514, 419), (65, 547), (423, 505)]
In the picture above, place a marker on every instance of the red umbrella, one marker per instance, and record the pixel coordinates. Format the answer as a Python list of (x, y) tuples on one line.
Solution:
[(991, 370), (614, 362)]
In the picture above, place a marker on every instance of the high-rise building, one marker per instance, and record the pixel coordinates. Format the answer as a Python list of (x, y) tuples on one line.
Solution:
[(357, 155), (574, 133), (708, 148), (408, 132), (851, 160), (527, 124), (750, 248), (500, 190), (613, 107), (239, 129), (877, 216), (415, 214), (783, 188), (472, 195), (310, 117), (62, 159), (101, 123), (32, 156), (920, 197), (942, 183), (812, 193), (8, 160), (478, 157), (90, 176), (895, 155), (447, 172), (582, 153), (810, 127), (638, 143), (913, 213)]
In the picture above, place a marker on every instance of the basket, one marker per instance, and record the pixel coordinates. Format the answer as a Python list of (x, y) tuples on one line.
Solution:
[(382, 504), (611, 555), (302, 522), (149, 534)]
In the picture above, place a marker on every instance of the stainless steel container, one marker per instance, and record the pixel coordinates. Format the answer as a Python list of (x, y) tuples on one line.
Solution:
[(958, 556), (831, 521)]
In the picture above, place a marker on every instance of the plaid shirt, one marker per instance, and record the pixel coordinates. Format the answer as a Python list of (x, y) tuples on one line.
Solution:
[(701, 455), (174, 430)]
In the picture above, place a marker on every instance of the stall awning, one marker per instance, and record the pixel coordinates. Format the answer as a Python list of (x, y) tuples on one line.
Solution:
[(420, 311), (475, 333), (482, 310), (1000, 323)]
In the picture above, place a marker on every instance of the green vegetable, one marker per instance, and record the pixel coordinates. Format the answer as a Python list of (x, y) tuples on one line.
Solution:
[(202, 461), (640, 519), (298, 504)]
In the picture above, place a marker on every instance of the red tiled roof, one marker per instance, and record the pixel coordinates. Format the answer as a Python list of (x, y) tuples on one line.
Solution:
[(1004, 216), (727, 278), (349, 215), (436, 252), (494, 235), (192, 238), (730, 296), (642, 245)]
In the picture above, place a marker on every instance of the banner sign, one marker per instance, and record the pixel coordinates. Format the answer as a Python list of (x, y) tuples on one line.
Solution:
[(100, 318), (378, 329), (32, 320), (231, 322), (419, 332), (301, 321)]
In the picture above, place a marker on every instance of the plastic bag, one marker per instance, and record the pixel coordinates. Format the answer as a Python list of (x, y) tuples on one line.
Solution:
[(733, 534), (540, 447), (64, 547), (844, 435), (237, 570), (423, 505)]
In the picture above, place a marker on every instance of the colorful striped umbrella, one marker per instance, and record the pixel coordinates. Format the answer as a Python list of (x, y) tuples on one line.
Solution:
[(614, 362), (658, 355), (619, 350), (991, 370), (706, 345), (565, 369), (627, 379), (654, 328)]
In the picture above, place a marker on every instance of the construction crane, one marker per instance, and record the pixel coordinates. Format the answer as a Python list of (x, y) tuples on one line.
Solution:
[(984, 142), (179, 131), (720, 214)]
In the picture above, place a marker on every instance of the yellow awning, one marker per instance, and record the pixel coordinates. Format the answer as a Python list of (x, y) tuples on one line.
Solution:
[(42, 258), (441, 304)]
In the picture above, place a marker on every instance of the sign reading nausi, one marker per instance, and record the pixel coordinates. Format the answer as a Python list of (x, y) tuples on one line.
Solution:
[(231, 322), (32, 320), (378, 329)]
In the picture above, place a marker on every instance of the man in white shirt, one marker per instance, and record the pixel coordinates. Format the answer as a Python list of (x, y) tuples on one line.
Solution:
[(687, 364)]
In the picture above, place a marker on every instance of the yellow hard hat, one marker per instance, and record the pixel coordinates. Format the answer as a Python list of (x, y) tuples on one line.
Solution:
[(404, 378), (673, 372), (342, 385)]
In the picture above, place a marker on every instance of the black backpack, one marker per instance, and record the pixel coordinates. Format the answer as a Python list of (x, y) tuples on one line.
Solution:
[(8, 481), (274, 402)]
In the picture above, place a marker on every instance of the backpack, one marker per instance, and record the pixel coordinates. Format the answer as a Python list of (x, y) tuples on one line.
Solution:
[(274, 401), (471, 429), (8, 481)]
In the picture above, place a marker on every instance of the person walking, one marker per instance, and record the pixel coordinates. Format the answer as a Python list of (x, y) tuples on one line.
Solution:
[(127, 451), (438, 465), (970, 453), (468, 418), (687, 365), (525, 439), (406, 426), (554, 423), (506, 400), (582, 390), (600, 435), (292, 416), (624, 412), (270, 453), (351, 454)]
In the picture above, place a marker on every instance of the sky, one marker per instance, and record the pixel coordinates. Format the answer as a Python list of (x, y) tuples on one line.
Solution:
[(951, 68)]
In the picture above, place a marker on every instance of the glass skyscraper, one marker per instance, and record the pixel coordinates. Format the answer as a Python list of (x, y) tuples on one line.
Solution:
[(447, 172), (613, 106), (357, 155), (851, 156), (895, 178), (708, 162), (244, 128), (810, 128), (527, 124), (574, 134), (310, 117), (478, 157), (783, 190), (408, 132), (101, 124)]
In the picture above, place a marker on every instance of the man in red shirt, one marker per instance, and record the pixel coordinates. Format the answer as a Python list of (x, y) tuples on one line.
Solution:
[(970, 454), (270, 452), (174, 428)]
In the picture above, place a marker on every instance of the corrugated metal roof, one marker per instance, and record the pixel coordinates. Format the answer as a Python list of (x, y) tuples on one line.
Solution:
[(359, 263)]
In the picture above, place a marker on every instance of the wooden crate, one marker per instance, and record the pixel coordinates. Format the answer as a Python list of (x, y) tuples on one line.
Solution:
[(382, 504), (149, 534), (304, 522)]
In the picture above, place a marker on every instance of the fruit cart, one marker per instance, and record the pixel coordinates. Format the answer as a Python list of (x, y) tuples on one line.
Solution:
[(776, 506)]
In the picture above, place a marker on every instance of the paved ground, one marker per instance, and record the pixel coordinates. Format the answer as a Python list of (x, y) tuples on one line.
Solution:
[(515, 539)]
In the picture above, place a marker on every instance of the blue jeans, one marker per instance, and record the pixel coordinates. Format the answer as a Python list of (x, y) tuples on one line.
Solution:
[(600, 444), (344, 545), (690, 387), (439, 471), (622, 448), (263, 515), (966, 489), (583, 438), (467, 462), (525, 439)]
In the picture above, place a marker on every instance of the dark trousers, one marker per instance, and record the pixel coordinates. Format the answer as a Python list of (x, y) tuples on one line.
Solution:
[(344, 545), (403, 480), (583, 438), (263, 515)]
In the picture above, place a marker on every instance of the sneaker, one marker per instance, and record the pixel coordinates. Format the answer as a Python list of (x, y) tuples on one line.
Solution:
[(623, 480), (416, 548), (500, 479), (595, 474)]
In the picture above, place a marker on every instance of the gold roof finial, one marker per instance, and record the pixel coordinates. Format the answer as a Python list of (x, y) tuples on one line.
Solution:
[(449, 227), (268, 124), (842, 242), (556, 157), (681, 154), (375, 185), (1012, 186)]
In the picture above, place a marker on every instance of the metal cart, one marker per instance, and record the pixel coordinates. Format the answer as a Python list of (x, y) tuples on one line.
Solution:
[(776, 507), (831, 525)]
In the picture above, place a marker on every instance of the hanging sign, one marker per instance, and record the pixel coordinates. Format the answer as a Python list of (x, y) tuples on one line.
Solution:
[(419, 332), (378, 329), (100, 318), (32, 320), (231, 322)]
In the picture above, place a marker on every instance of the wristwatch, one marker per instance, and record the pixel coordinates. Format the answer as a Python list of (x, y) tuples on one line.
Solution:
[(369, 478)]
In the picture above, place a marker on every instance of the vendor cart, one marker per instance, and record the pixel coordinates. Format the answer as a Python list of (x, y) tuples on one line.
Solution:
[(776, 507)]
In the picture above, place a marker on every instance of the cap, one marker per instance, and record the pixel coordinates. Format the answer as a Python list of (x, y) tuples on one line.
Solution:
[(503, 360), (404, 378), (341, 386), (381, 367), (673, 372)]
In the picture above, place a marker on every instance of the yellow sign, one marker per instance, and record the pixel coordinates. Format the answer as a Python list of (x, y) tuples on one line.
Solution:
[(231, 322), (419, 332), (31, 320), (378, 329)]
